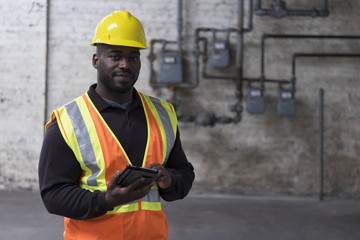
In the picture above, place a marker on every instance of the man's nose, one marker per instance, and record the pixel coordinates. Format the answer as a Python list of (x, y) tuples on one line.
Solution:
[(123, 63)]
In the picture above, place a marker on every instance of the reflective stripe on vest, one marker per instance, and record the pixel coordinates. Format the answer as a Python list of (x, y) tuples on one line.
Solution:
[(84, 142), (95, 146), (151, 201), (160, 110)]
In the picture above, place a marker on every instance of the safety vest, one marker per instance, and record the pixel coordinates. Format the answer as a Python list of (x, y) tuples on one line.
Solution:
[(101, 155)]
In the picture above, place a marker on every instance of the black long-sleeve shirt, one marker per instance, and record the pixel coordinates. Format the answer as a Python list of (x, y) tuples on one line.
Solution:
[(59, 171)]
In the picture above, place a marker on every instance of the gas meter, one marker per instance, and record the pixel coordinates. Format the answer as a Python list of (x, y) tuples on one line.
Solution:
[(286, 102), (171, 67), (220, 53), (255, 102)]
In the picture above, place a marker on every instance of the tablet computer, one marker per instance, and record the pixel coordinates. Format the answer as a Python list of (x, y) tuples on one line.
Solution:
[(133, 173)]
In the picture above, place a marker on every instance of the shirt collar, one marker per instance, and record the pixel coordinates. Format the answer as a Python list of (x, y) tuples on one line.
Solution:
[(101, 105)]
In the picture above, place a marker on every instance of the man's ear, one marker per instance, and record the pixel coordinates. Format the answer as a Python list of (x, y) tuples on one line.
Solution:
[(95, 61)]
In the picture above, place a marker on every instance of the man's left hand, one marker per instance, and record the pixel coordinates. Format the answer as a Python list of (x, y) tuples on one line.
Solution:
[(164, 179)]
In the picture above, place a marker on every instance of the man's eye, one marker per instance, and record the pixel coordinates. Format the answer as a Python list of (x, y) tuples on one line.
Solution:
[(135, 58), (114, 57)]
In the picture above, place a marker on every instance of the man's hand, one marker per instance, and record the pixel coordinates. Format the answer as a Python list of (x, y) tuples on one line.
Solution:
[(116, 195), (164, 179)]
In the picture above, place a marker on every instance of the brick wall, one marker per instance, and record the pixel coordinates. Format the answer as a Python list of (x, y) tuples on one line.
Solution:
[(261, 155), (22, 75)]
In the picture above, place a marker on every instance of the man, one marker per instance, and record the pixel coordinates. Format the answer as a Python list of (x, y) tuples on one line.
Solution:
[(90, 140)]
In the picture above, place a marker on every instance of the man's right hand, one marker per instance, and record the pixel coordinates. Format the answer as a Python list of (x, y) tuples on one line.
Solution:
[(116, 195)]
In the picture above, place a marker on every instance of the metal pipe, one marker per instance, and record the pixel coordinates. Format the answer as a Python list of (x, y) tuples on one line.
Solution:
[(279, 10), (198, 39), (262, 63), (257, 4), (197, 53), (324, 5), (216, 30), (239, 59), (311, 36), (179, 25), (280, 81), (204, 52), (249, 28), (239, 50), (152, 56), (294, 36), (47, 46), (322, 55), (321, 144), (308, 13)]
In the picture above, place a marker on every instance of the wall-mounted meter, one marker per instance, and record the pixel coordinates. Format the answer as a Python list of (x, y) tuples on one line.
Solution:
[(286, 103), (255, 102), (220, 53), (171, 67)]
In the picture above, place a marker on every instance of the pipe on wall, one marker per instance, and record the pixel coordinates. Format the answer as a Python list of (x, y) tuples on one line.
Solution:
[(240, 50), (279, 10), (321, 144), (179, 25), (294, 36), (46, 87), (152, 56), (320, 55), (198, 39), (239, 78), (317, 55), (249, 28), (197, 53)]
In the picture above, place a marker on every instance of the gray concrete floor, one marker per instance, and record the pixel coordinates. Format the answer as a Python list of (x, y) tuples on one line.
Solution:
[(206, 217)]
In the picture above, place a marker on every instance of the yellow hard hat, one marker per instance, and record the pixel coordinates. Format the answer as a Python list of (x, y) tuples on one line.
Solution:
[(121, 29)]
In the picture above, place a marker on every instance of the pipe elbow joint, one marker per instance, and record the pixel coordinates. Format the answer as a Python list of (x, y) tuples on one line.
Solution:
[(323, 13)]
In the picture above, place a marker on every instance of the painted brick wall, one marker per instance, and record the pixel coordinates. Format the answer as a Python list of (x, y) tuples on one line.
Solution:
[(261, 155), (22, 74)]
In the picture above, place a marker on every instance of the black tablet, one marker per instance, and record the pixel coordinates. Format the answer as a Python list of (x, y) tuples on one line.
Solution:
[(133, 173)]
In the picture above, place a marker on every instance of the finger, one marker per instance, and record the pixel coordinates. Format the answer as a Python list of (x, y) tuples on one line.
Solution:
[(114, 178), (153, 165)]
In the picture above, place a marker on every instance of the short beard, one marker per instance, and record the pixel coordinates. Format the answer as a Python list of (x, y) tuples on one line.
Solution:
[(109, 83)]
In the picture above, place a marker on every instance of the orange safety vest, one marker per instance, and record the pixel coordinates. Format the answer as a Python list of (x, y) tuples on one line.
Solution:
[(101, 155)]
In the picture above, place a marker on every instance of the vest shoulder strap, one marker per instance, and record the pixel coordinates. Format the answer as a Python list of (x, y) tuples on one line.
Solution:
[(166, 118)]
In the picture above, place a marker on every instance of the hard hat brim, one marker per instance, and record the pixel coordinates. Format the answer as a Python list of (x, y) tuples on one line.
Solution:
[(126, 43)]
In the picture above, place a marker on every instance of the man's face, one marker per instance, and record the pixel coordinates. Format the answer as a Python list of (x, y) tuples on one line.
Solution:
[(118, 67)]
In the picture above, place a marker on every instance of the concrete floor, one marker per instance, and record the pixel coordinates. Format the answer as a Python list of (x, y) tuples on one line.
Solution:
[(206, 217)]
